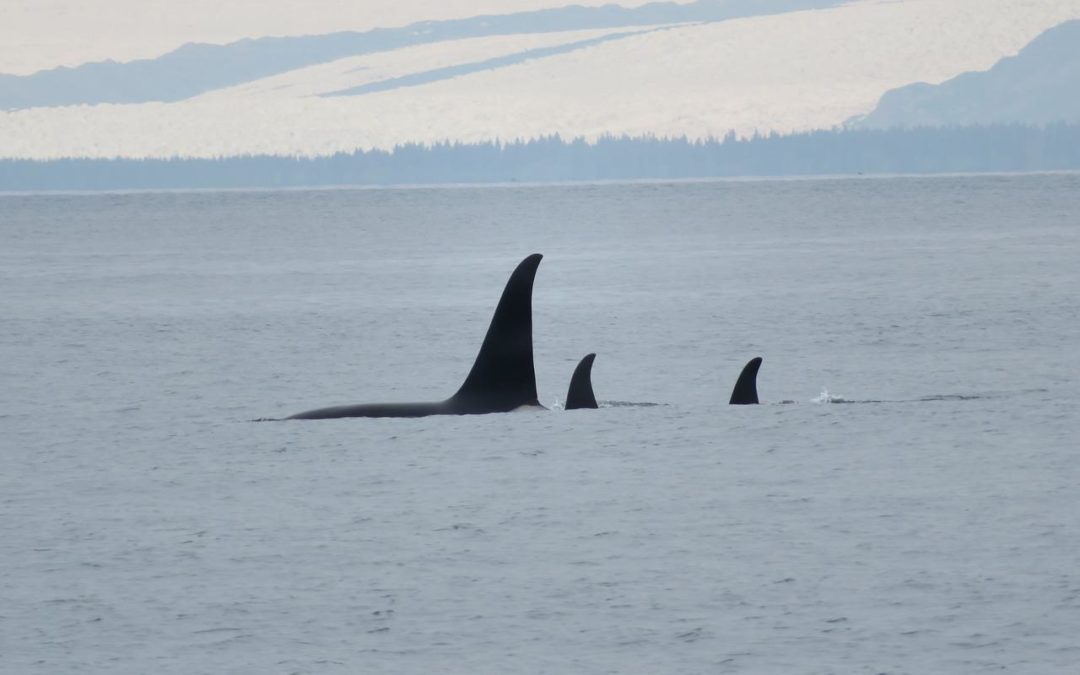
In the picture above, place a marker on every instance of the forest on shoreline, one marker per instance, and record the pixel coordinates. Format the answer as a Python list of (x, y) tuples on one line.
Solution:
[(974, 149)]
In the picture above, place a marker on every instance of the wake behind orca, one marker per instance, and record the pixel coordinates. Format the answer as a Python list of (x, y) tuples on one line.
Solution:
[(502, 377)]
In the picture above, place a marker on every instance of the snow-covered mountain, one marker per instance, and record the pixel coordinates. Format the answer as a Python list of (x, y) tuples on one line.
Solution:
[(698, 69)]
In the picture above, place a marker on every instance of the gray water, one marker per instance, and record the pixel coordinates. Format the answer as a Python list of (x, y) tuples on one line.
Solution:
[(928, 524)]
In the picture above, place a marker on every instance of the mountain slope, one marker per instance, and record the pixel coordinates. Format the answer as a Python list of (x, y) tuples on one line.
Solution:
[(38, 35), (1040, 85), (198, 68)]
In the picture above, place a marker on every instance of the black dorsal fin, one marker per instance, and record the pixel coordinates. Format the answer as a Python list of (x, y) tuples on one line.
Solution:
[(502, 377), (580, 394), (745, 392)]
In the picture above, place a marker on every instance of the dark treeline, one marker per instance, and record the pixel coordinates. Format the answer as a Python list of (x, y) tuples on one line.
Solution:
[(926, 150)]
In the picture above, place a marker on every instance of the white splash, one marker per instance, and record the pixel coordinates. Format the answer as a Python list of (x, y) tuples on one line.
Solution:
[(826, 397)]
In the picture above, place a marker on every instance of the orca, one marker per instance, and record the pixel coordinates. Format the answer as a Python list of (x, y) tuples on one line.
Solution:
[(502, 378), (745, 392), (580, 394)]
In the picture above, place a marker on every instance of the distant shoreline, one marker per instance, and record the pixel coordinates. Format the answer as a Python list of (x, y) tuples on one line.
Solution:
[(836, 153), (540, 185)]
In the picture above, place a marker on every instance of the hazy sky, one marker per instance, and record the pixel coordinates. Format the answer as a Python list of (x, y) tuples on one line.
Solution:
[(38, 34)]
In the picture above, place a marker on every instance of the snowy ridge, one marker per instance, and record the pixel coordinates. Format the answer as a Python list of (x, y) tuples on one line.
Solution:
[(199, 68), (41, 34)]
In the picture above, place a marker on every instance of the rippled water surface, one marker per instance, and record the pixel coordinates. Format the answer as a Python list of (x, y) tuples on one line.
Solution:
[(929, 524)]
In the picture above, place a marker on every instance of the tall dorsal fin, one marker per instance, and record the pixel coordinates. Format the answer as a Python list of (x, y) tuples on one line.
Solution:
[(580, 394), (502, 377), (745, 392)]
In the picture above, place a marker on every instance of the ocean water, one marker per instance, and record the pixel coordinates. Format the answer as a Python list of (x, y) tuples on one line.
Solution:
[(905, 500)]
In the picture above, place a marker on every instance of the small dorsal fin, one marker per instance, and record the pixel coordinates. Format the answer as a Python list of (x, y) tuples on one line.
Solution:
[(745, 392), (580, 394), (502, 377)]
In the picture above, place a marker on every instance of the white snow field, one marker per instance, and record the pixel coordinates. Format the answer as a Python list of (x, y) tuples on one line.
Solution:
[(305, 83), (40, 34), (781, 73)]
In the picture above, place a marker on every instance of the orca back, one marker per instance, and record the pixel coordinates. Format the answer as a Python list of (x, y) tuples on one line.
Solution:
[(745, 392), (580, 394), (503, 377)]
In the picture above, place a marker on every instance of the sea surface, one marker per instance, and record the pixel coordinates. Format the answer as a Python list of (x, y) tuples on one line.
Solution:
[(905, 500)]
